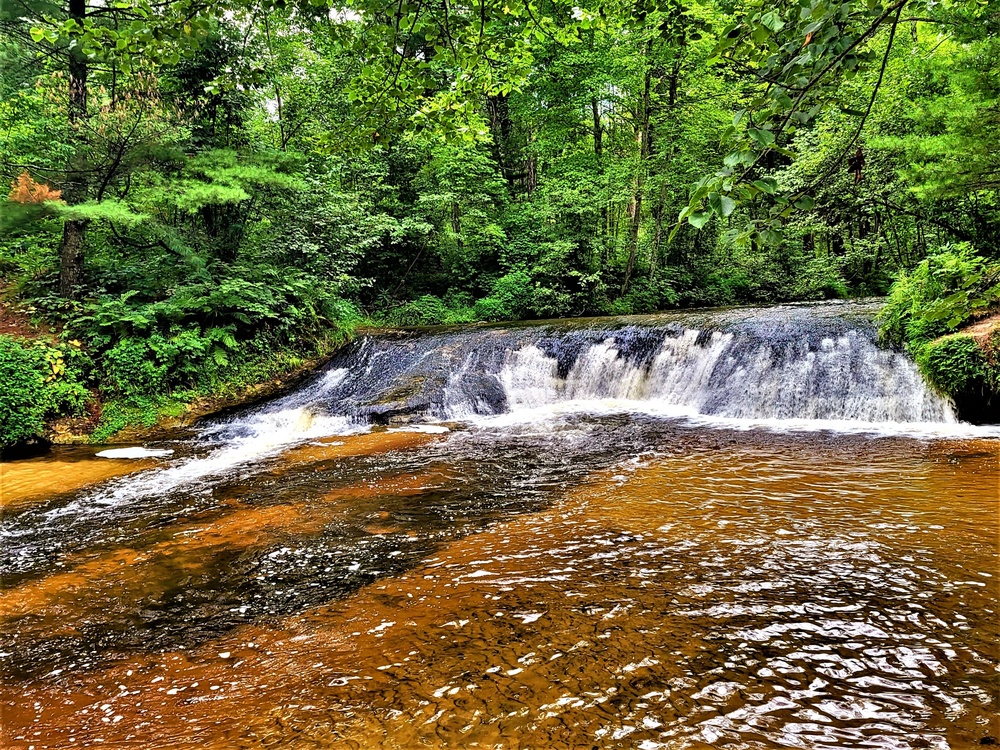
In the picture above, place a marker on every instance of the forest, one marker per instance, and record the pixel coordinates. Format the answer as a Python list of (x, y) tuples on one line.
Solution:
[(204, 196)]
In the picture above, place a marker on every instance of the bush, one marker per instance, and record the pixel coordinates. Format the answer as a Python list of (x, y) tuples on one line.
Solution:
[(427, 310), (955, 364), (944, 291), (510, 298), (818, 279), (131, 369), (645, 296), (36, 383)]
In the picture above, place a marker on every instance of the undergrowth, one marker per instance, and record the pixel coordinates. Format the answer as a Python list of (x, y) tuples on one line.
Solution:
[(925, 310), (38, 381)]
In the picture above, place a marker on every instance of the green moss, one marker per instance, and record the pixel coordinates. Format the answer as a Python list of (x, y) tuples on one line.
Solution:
[(117, 415), (404, 392)]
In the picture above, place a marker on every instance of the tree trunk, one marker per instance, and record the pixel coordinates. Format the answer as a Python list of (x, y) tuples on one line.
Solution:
[(598, 130), (658, 234), (501, 129), (599, 156), (642, 138), (75, 190)]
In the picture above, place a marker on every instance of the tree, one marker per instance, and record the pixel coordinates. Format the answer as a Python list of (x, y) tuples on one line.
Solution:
[(798, 57), (79, 37)]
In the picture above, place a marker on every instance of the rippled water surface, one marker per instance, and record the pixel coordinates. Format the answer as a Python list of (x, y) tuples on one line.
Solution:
[(580, 581)]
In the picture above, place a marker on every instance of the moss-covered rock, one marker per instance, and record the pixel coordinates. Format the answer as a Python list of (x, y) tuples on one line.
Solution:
[(965, 366)]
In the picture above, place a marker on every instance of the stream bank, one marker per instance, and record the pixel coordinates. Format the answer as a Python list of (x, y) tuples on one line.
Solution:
[(965, 367)]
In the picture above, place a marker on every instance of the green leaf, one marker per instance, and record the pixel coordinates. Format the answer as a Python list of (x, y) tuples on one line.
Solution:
[(722, 205), (772, 236), (772, 21), (766, 185), (763, 137), (699, 219), (37, 35)]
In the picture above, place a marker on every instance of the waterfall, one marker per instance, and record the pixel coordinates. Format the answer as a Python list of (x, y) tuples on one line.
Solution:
[(818, 363), (844, 377), (788, 368)]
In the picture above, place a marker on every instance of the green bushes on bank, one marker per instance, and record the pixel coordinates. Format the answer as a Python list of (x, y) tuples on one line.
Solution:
[(204, 339), (946, 290), (38, 381), (927, 306), (957, 364), (149, 351)]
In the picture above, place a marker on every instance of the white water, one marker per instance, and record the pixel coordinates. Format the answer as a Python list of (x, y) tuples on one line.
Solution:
[(846, 383), (135, 452), (798, 374), (242, 442)]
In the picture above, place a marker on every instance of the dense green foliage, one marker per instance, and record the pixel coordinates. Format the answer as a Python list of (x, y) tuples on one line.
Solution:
[(203, 191), (947, 290), (37, 381), (957, 365)]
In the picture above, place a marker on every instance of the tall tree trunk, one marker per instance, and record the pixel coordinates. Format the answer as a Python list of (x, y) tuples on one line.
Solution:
[(643, 139), (654, 251), (673, 87), (595, 110), (75, 190), (501, 129), (598, 129)]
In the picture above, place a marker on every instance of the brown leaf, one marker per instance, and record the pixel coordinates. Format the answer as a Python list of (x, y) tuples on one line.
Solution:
[(26, 190)]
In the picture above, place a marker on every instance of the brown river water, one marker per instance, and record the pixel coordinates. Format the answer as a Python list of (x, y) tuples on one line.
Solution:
[(723, 589), (599, 579)]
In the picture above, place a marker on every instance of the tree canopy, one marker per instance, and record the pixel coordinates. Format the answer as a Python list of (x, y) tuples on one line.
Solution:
[(194, 184)]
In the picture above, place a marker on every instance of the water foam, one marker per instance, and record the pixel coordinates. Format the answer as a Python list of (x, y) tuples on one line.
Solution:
[(233, 444), (781, 369), (722, 375)]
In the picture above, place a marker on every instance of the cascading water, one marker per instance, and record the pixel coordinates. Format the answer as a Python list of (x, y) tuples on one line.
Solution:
[(792, 367), (789, 367), (651, 532), (723, 374), (796, 364)]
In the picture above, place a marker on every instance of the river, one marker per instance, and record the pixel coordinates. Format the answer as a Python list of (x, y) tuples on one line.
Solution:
[(746, 528)]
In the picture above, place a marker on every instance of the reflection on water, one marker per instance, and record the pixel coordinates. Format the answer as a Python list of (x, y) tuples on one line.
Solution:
[(27, 482), (602, 582)]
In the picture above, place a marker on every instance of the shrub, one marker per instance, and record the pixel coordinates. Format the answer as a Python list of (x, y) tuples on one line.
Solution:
[(131, 369), (509, 299), (428, 310), (423, 311), (35, 383), (944, 291), (646, 296), (955, 364)]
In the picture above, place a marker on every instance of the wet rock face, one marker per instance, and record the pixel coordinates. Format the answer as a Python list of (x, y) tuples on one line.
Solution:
[(807, 362), (977, 406)]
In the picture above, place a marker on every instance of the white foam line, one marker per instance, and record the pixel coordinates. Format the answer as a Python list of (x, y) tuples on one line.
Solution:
[(605, 407), (272, 434), (134, 452)]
